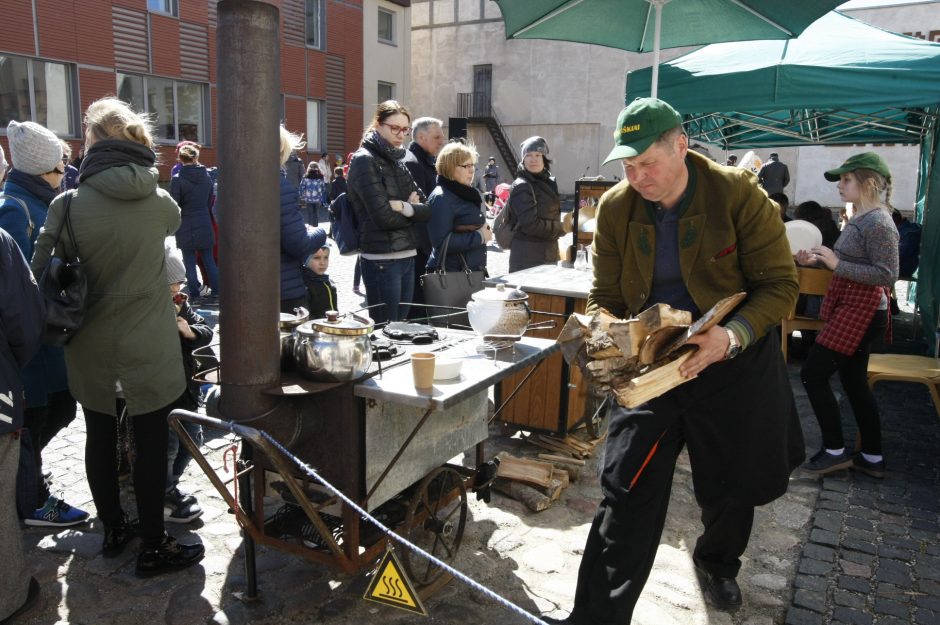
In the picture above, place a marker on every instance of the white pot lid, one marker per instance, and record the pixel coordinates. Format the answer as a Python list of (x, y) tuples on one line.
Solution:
[(500, 293)]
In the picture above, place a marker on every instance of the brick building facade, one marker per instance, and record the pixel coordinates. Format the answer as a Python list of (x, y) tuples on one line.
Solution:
[(160, 55)]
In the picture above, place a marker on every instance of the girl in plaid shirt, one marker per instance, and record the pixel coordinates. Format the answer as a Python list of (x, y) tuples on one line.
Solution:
[(864, 262)]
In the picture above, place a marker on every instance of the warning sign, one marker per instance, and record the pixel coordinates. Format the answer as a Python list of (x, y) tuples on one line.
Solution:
[(391, 587)]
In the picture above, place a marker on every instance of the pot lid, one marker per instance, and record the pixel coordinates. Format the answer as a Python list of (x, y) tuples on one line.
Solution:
[(347, 325), (294, 319), (500, 293)]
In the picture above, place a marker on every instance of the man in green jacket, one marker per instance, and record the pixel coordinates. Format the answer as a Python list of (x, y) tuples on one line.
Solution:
[(687, 232)]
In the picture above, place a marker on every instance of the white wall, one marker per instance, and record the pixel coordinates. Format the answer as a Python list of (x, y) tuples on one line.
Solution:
[(383, 61)]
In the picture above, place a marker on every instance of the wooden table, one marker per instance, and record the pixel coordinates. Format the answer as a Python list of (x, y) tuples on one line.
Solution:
[(556, 398)]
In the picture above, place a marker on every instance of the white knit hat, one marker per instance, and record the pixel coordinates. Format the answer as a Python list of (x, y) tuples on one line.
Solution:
[(34, 149), (3, 162), (175, 271)]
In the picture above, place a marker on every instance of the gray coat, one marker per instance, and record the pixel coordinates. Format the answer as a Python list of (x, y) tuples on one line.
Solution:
[(121, 218)]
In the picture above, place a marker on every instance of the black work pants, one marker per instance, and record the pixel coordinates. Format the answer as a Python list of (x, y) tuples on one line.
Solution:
[(821, 363), (624, 537), (149, 439)]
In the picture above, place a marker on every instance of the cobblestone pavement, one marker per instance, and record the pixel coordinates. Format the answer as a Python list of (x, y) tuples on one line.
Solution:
[(846, 549)]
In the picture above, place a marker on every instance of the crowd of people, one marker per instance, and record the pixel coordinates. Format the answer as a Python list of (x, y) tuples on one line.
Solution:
[(132, 360)]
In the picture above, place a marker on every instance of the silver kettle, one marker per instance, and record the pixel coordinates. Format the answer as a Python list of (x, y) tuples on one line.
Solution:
[(334, 349)]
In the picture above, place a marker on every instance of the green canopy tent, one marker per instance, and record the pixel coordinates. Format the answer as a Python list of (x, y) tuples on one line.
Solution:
[(841, 82)]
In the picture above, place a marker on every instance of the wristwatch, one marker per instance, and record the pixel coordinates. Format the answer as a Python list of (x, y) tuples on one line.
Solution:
[(734, 348)]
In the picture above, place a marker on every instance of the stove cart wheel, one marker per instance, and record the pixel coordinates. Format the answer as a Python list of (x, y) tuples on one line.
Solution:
[(437, 515)]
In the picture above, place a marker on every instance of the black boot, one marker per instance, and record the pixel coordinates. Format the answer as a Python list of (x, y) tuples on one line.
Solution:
[(723, 591), (116, 538), (167, 556)]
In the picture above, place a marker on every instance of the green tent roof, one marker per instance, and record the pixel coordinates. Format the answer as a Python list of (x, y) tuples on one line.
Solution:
[(840, 82)]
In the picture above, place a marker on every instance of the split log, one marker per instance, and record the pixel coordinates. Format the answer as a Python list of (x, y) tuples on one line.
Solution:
[(557, 459), (652, 384), (524, 470)]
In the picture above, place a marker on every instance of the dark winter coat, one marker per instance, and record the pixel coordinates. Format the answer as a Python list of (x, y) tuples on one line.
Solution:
[(192, 188), (297, 243), (45, 373), (295, 169), (448, 211), (22, 320), (423, 170), (323, 293), (538, 219), (204, 335), (375, 178), (337, 187)]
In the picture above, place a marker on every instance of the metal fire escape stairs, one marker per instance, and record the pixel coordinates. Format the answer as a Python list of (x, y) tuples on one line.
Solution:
[(479, 110)]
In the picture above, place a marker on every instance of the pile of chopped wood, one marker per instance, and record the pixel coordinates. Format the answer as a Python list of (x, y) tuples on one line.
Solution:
[(636, 359), (538, 483)]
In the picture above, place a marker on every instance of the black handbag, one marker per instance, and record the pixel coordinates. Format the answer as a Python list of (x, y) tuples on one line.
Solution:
[(450, 288), (64, 287)]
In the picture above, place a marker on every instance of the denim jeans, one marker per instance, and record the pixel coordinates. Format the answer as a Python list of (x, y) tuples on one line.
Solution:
[(389, 282), (177, 454), (192, 276)]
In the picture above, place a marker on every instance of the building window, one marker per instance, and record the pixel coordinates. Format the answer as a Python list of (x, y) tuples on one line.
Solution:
[(163, 6), (38, 91), (386, 26), (178, 108), (315, 23), (315, 141), (386, 91)]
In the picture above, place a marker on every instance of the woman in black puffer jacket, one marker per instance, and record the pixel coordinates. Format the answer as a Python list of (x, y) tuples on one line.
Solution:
[(386, 201), (536, 208)]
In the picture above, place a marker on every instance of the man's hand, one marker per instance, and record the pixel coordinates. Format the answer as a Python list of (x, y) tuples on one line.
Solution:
[(712, 347)]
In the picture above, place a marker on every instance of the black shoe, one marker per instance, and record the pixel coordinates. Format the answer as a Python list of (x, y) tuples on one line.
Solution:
[(32, 594), (168, 556), (723, 591), (116, 538), (824, 462), (874, 469)]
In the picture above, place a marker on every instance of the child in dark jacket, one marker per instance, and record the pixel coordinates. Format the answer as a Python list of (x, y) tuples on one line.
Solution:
[(180, 507), (322, 291)]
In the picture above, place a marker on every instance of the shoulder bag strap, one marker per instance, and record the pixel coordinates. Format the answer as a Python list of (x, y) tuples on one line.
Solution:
[(67, 221), (29, 218)]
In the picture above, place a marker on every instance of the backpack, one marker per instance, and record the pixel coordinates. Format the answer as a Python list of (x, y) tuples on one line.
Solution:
[(30, 224), (344, 227), (504, 226)]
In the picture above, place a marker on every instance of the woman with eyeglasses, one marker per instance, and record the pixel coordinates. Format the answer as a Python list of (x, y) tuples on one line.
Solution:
[(34, 181), (457, 212), (535, 208), (386, 201)]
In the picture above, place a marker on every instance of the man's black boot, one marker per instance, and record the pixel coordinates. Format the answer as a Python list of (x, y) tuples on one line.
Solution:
[(723, 591)]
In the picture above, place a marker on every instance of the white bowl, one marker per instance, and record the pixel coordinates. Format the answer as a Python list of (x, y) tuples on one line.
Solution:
[(447, 368)]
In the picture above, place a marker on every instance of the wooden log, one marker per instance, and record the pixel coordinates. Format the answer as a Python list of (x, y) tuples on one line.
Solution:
[(561, 444), (572, 470), (578, 444), (557, 459), (628, 335), (524, 470), (652, 384), (664, 316), (531, 497), (553, 490), (547, 446)]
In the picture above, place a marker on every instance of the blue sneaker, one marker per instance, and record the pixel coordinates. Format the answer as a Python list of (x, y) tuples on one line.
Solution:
[(824, 462), (56, 513)]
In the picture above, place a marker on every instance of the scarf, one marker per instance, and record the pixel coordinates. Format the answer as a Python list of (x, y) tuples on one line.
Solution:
[(543, 178), (374, 141), (109, 153), (34, 185), (461, 190)]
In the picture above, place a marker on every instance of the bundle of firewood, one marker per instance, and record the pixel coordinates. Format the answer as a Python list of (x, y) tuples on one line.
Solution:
[(636, 359)]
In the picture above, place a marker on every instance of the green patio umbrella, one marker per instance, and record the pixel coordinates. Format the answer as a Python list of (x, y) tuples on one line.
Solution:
[(636, 25)]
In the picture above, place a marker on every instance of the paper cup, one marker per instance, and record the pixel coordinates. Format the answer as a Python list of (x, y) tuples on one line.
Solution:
[(422, 368)]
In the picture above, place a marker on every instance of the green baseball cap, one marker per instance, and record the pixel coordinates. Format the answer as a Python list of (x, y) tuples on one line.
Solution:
[(865, 160), (640, 125)]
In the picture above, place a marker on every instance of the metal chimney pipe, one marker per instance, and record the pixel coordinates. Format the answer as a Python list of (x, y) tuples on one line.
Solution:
[(248, 107)]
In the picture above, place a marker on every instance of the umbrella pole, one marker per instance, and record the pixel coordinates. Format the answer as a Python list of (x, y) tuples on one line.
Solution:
[(658, 6)]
